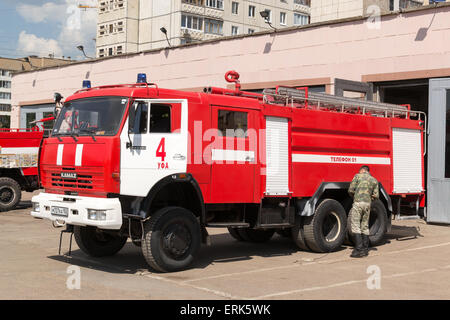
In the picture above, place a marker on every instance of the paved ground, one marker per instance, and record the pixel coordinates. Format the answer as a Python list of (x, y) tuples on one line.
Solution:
[(414, 264)]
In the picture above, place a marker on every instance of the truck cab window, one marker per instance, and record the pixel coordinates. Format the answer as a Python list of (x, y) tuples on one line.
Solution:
[(160, 120), (141, 119), (233, 122)]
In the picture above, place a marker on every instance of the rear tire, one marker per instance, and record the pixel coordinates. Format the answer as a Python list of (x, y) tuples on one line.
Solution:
[(235, 234), (377, 224), (97, 243), (10, 194), (325, 230), (256, 235), (172, 239)]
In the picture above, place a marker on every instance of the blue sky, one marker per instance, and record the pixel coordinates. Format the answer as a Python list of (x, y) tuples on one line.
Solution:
[(42, 27)]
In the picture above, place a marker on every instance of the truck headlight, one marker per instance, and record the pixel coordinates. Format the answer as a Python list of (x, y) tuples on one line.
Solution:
[(94, 214), (36, 207)]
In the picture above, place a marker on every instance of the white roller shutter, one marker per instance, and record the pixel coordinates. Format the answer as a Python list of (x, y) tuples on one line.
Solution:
[(277, 156), (407, 158)]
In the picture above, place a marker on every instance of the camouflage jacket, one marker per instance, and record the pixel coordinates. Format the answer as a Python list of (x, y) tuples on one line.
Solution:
[(364, 188)]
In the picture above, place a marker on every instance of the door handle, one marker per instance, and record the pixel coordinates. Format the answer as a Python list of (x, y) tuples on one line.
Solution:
[(178, 156)]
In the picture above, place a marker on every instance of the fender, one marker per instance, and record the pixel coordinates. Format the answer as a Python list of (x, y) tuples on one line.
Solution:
[(308, 207), (173, 178)]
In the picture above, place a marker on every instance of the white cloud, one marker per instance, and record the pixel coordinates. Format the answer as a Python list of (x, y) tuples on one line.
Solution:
[(33, 45), (75, 27), (49, 11)]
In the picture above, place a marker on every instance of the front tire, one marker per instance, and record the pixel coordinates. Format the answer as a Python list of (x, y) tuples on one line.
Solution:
[(325, 230), (172, 239), (97, 243), (10, 194)]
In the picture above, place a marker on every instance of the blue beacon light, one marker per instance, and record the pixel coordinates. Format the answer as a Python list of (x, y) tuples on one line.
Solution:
[(142, 78), (86, 84)]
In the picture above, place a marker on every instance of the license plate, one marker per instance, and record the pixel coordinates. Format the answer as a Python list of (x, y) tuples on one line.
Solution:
[(60, 211)]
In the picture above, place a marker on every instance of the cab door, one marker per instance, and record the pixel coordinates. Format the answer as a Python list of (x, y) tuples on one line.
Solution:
[(155, 147), (233, 155)]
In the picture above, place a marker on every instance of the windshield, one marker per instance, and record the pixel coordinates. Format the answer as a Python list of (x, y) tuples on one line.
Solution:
[(91, 116)]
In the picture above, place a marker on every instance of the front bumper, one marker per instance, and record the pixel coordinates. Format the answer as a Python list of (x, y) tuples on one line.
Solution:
[(78, 210)]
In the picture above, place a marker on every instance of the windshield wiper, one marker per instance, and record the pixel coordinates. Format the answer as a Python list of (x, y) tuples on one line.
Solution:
[(90, 132), (71, 134)]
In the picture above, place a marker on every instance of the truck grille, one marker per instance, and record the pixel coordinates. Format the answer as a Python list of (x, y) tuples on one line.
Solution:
[(85, 179), (81, 181)]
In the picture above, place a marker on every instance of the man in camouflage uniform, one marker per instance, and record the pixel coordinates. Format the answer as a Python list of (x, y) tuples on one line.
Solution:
[(363, 189)]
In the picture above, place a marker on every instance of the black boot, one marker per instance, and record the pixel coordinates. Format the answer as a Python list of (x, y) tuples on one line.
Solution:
[(357, 251), (365, 245)]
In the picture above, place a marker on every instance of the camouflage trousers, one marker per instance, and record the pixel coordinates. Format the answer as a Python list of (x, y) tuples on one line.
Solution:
[(359, 217)]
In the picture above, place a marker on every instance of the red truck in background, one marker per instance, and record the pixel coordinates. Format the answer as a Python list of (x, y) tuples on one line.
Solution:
[(19, 152), (159, 166)]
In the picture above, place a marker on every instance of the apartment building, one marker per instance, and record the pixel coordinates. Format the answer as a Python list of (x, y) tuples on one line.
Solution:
[(126, 26), (325, 10)]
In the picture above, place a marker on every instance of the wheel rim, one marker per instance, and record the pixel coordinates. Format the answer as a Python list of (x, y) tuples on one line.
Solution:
[(176, 240), (6, 195), (331, 227)]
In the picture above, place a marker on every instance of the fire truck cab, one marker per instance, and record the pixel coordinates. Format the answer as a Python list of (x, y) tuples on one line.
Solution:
[(159, 166)]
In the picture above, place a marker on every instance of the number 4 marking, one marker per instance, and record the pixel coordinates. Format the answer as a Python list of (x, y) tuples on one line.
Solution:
[(161, 150)]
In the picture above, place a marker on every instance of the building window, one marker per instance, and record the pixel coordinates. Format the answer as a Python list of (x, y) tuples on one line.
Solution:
[(111, 28), (283, 18), (232, 123), (191, 22), (30, 117), (5, 121), (5, 107), (5, 73), (102, 30), (303, 2), (120, 26), (250, 31), (251, 11), (119, 50), (234, 30), (5, 84), (103, 7), (217, 4), (270, 15), (194, 2), (300, 19), (213, 26), (101, 53), (5, 95), (110, 51), (234, 7)]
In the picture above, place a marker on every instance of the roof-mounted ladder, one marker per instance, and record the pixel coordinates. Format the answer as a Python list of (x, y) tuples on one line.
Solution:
[(301, 98)]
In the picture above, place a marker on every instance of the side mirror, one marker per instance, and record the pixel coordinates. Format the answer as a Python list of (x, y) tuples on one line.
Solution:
[(131, 117)]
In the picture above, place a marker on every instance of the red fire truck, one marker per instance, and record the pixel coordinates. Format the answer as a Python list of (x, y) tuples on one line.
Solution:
[(19, 149), (159, 166)]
